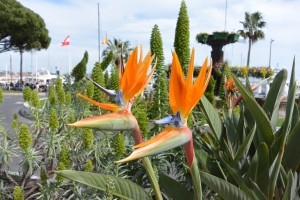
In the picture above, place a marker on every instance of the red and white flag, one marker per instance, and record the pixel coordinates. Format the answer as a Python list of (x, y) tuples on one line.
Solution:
[(66, 42)]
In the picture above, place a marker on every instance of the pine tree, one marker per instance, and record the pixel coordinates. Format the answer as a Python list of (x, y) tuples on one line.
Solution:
[(97, 76), (159, 108), (79, 70), (182, 37)]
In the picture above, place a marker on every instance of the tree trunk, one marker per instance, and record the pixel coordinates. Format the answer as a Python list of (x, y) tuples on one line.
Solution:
[(249, 50), (21, 67)]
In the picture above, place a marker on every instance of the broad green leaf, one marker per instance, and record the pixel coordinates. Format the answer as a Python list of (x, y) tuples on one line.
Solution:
[(274, 171), (201, 156), (293, 74), (289, 110), (244, 148), (291, 188), (173, 188), (257, 192), (295, 117), (271, 105), (212, 117), (225, 189), (237, 178), (263, 123), (124, 189), (291, 159), (206, 161), (262, 170)]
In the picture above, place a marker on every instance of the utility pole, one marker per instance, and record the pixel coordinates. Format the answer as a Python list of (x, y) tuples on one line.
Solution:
[(270, 52)]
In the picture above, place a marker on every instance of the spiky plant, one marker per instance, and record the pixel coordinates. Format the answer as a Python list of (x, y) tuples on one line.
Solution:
[(182, 37)]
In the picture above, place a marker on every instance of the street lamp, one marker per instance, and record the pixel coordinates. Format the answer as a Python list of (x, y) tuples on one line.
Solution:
[(270, 52)]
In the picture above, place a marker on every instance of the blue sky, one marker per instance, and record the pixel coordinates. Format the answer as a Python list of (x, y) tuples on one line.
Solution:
[(133, 20)]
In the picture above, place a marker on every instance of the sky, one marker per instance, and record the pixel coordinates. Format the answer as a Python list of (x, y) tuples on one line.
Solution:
[(133, 21)]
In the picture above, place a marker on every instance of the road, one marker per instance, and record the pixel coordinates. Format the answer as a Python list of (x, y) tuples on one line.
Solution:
[(12, 104)]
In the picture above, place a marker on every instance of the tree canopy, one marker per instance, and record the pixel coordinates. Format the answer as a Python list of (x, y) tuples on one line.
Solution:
[(21, 28), (252, 29)]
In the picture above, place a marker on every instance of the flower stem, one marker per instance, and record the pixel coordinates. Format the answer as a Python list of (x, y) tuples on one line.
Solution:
[(196, 179), (137, 136)]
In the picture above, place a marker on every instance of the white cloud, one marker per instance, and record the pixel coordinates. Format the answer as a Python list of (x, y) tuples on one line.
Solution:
[(133, 20)]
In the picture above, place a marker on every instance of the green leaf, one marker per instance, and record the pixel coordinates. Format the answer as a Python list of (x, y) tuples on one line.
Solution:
[(237, 178), (291, 159), (244, 148), (212, 117), (271, 105), (225, 189), (289, 110), (257, 191), (168, 185), (291, 188), (263, 123), (124, 189), (274, 171), (262, 170)]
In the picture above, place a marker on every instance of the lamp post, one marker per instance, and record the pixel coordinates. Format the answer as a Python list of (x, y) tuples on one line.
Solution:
[(270, 52)]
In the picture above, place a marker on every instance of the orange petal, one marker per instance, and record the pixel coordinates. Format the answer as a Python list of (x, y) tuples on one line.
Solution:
[(106, 106), (176, 84)]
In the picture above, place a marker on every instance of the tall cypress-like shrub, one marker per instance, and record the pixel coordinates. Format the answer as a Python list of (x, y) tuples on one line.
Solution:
[(79, 70), (182, 37), (160, 87), (97, 76)]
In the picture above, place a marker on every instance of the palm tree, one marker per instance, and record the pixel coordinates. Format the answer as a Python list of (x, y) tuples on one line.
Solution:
[(252, 29), (117, 46)]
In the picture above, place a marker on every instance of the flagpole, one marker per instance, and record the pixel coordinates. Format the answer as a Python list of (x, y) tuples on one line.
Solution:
[(99, 58), (69, 58)]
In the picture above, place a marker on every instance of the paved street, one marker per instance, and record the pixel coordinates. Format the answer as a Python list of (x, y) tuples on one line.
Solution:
[(13, 103)]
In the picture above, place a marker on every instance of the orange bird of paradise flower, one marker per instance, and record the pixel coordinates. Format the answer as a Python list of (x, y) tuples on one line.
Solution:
[(230, 91), (184, 94), (133, 79)]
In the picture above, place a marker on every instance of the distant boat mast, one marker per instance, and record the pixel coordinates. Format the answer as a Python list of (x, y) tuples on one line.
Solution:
[(99, 33)]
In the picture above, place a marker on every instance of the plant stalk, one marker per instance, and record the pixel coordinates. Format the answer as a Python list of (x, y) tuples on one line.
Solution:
[(194, 170), (137, 136)]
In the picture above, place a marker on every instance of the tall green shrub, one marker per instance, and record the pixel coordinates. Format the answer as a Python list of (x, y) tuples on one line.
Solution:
[(182, 37), (79, 70), (160, 98), (97, 76), (26, 93)]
